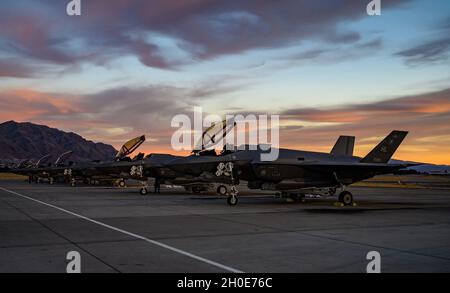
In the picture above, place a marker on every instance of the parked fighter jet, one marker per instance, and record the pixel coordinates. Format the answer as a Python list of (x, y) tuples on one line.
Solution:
[(86, 171), (302, 172), (115, 169), (37, 171)]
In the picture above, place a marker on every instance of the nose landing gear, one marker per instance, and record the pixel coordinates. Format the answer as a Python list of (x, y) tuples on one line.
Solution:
[(232, 198), (144, 188)]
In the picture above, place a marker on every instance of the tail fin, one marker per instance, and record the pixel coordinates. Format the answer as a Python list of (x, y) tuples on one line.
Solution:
[(344, 146), (383, 152)]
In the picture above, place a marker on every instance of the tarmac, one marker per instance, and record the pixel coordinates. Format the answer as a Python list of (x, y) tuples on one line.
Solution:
[(119, 230)]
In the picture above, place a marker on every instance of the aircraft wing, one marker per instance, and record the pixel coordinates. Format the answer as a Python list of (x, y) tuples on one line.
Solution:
[(328, 166)]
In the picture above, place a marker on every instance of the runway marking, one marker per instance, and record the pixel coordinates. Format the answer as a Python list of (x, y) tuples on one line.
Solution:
[(157, 243)]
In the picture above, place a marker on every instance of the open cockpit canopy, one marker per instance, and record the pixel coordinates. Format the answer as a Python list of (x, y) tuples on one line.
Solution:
[(130, 146), (214, 135)]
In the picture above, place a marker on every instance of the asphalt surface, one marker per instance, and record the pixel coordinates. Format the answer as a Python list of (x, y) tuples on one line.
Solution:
[(118, 230)]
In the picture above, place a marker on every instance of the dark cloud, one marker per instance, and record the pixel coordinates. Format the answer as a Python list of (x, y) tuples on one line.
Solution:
[(13, 68), (202, 28), (372, 44), (344, 38), (137, 110), (429, 52), (334, 54), (411, 105)]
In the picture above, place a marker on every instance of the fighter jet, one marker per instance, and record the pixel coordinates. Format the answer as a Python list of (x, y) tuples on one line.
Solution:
[(87, 171), (157, 166), (36, 171), (295, 171), (115, 169)]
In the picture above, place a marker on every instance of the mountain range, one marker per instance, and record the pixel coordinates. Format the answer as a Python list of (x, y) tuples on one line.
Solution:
[(31, 141)]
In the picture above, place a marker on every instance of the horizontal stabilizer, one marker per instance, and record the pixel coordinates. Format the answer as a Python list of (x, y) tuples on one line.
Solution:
[(383, 152)]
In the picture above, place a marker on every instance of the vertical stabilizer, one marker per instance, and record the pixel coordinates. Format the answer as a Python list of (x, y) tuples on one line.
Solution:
[(383, 152), (344, 146)]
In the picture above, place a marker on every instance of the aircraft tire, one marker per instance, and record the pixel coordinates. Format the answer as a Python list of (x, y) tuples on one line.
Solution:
[(143, 191), (346, 198), (222, 190), (232, 200)]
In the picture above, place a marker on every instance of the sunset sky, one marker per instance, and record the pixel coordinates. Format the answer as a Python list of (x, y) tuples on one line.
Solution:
[(125, 68)]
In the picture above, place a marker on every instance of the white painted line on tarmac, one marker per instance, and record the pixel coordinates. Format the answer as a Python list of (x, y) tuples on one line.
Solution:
[(157, 243)]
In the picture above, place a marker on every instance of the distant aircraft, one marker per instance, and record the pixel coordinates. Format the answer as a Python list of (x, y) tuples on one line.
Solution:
[(115, 169), (36, 171), (86, 171), (295, 171)]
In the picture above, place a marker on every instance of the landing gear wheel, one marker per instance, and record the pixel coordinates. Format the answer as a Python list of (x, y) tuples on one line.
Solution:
[(122, 183), (143, 191), (346, 198), (232, 200), (222, 190)]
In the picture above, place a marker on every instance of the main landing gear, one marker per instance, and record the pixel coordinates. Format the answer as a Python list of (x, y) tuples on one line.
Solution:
[(122, 183), (346, 198), (232, 200), (222, 190)]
